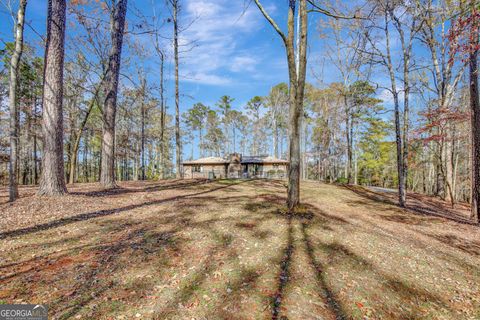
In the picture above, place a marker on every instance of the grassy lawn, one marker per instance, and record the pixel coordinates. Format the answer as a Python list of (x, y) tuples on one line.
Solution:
[(227, 250)]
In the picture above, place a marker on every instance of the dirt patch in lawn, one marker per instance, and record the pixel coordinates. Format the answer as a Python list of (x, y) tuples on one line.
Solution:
[(193, 249)]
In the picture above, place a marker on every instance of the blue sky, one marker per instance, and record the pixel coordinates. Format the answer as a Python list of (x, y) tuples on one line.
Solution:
[(236, 51)]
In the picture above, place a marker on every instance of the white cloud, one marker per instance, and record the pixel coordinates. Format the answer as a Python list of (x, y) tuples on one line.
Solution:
[(387, 97), (244, 63), (217, 30), (209, 79), (203, 8)]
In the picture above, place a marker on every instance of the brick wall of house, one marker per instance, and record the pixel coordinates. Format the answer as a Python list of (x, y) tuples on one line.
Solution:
[(273, 171), (278, 169), (218, 170), (234, 171)]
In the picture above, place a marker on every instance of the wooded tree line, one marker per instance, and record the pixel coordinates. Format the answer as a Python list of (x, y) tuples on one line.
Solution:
[(403, 113), (421, 49), (102, 129)]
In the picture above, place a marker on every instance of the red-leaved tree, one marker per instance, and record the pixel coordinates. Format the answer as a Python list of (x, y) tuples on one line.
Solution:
[(464, 39)]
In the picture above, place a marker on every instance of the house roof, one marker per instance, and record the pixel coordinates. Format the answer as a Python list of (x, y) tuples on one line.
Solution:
[(207, 160), (263, 159), (245, 160)]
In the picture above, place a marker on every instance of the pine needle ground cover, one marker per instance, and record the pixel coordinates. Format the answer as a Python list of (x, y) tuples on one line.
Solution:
[(227, 249)]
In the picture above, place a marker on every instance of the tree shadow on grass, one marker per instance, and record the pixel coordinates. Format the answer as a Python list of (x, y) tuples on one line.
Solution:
[(91, 286), (101, 213), (419, 208), (160, 186), (339, 254), (223, 248), (333, 302), (86, 274), (231, 296), (411, 216), (146, 242), (308, 215), (284, 275), (311, 220), (470, 247), (189, 289), (143, 244)]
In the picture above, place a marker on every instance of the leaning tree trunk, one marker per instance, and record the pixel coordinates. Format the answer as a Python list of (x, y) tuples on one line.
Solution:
[(475, 119), (53, 176), (178, 143), (14, 111), (117, 25), (76, 144)]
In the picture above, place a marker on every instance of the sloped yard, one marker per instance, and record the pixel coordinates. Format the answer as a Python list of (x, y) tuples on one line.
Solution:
[(226, 250)]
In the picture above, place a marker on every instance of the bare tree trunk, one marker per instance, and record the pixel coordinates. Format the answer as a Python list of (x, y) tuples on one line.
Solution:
[(406, 107), (13, 105), (406, 52), (72, 136), (143, 128), (201, 141), (297, 90), (117, 26), (275, 138), (35, 159), (85, 158), (475, 123), (398, 135), (355, 169), (161, 55), (348, 125), (178, 142), (76, 144), (233, 128), (281, 145), (450, 166), (162, 119), (304, 155), (136, 162), (53, 176)]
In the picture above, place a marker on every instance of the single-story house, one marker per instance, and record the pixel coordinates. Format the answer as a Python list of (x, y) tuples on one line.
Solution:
[(235, 166)]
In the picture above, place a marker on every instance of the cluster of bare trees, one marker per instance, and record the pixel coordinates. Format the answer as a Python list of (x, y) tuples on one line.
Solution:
[(437, 81), (87, 100), (403, 112), (259, 129), (391, 36)]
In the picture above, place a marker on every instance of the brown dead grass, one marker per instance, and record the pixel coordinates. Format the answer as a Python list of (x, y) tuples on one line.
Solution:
[(227, 250)]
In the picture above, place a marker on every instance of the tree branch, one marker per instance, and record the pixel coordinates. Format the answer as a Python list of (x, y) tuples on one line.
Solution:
[(318, 9), (271, 21)]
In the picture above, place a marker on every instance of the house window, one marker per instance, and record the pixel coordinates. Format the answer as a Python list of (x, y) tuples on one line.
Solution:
[(197, 169), (275, 166)]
